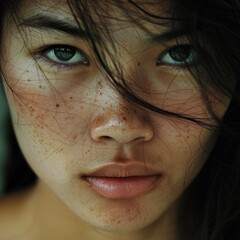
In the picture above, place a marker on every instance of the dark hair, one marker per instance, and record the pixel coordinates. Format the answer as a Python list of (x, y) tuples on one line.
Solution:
[(213, 28)]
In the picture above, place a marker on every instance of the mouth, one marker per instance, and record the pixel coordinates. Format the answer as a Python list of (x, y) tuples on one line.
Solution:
[(122, 181)]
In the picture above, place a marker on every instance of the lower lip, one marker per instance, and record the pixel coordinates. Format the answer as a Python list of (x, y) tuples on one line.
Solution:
[(122, 187)]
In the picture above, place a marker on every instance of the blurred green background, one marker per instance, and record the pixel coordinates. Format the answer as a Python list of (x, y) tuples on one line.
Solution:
[(4, 148)]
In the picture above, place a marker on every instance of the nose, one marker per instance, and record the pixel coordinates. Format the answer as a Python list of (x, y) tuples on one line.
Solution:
[(120, 121)]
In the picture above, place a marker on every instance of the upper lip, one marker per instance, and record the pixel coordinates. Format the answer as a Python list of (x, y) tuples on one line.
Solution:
[(123, 170)]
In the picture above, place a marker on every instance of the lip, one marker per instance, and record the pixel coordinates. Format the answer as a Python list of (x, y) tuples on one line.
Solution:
[(122, 181)]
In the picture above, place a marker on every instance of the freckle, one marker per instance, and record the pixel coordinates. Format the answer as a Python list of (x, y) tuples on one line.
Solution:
[(40, 86), (139, 64), (75, 136), (71, 97), (57, 105), (100, 85)]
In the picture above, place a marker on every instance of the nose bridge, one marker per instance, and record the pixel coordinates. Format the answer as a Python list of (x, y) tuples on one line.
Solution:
[(116, 119)]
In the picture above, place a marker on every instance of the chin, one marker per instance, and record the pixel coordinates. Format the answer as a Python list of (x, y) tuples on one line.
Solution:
[(122, 226), (120, 221)]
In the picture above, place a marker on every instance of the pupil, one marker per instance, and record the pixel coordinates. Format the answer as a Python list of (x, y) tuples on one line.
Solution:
[(180, 54), (64, 53)]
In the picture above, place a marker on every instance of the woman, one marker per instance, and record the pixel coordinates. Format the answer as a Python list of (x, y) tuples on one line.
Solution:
[(128, 113)]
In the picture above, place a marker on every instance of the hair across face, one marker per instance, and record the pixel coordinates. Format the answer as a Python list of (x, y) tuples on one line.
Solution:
[(154, 20)]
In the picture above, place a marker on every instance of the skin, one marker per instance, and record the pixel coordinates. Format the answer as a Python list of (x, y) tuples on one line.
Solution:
[(70, 121)]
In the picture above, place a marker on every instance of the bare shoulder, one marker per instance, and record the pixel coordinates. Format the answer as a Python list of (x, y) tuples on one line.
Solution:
[(14, 215)]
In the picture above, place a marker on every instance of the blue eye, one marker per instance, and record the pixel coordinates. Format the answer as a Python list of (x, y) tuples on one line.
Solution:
[(65, 55), (178, 56)]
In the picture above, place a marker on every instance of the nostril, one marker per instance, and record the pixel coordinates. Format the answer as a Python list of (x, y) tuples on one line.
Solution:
[(105, 137)]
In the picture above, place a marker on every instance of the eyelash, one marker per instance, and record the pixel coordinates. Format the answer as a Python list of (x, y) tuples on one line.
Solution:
[(42, 56), (183, 64)]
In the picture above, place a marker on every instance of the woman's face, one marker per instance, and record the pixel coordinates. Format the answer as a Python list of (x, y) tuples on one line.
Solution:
[(70, 120)]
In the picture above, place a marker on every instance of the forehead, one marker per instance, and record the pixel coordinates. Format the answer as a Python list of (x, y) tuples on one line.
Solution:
[(153, 6), (101, 12)]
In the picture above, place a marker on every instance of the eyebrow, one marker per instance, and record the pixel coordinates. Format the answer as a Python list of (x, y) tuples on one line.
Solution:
[(170, 35), (45, 22)]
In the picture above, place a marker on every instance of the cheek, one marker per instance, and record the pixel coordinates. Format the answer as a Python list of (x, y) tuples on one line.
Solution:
[(180, 149), (52, 106), (178, 92), (47, 120)]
